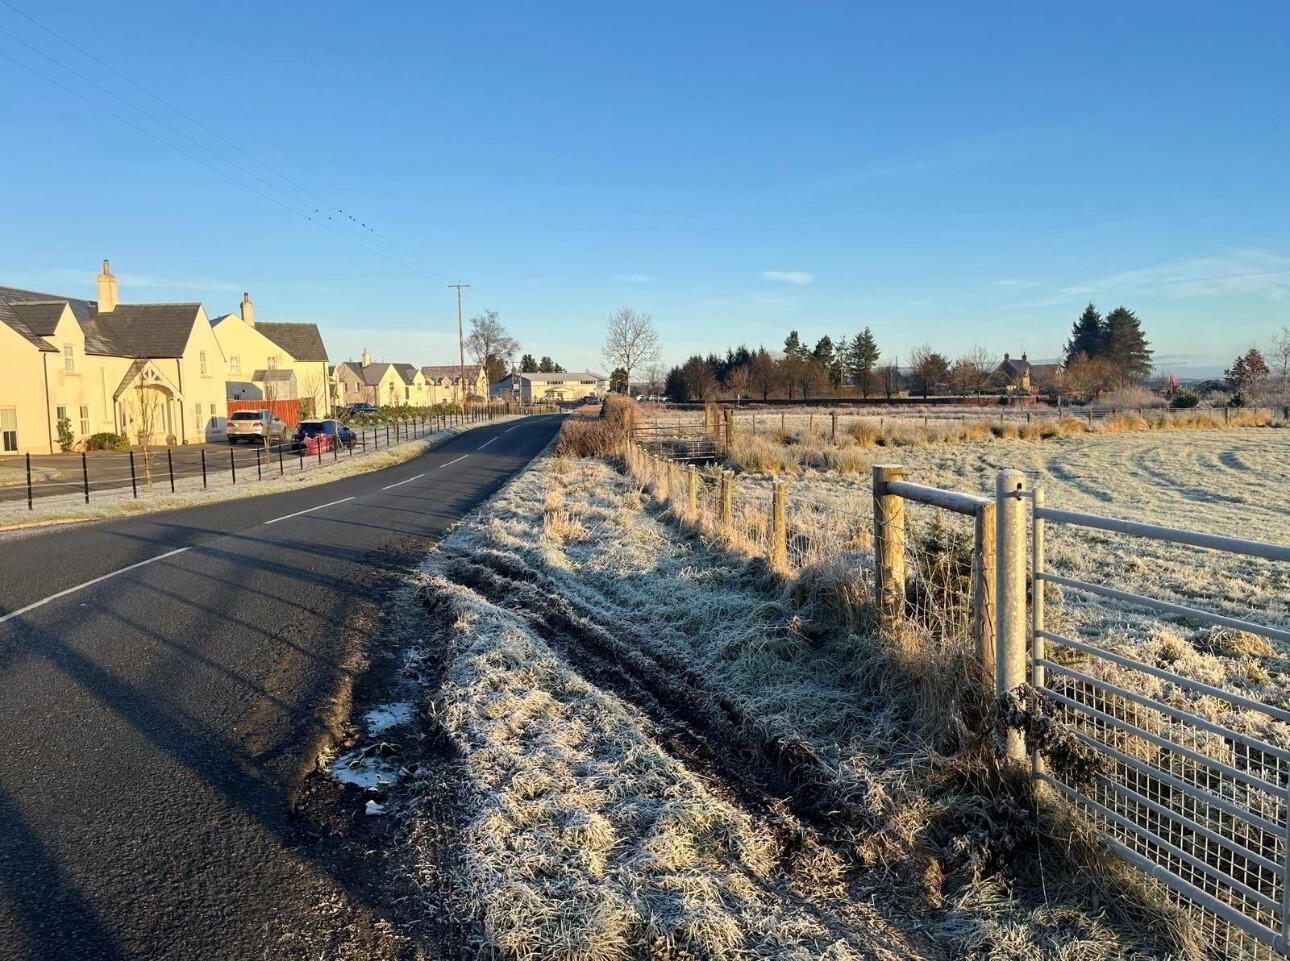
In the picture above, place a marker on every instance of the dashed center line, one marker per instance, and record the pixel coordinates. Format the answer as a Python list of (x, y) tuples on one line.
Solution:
[(308, 509), (401, 483), (509, 429), (451, 462), (486, 443), (89, 583)]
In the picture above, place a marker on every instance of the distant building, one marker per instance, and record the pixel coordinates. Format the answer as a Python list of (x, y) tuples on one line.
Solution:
[(535, 388), (443, 382), (1022, 375)]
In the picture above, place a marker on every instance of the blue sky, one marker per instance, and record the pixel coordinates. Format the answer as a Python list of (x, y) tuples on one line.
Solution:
[(957, 174)]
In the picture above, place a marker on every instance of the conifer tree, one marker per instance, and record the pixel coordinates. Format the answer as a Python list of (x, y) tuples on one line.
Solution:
[(1125, 346), (1088, 336)]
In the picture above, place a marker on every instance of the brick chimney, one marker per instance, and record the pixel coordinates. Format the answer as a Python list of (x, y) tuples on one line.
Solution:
[(248, 310), (109, 294)]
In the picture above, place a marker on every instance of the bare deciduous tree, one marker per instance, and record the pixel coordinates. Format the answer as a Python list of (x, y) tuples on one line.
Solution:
[(655, 374), (972, 371), (1281, 351), (631, 341), (490, 345)]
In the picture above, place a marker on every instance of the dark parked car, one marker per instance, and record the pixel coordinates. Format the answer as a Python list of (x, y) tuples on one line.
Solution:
[(355, 409), (320, 436)]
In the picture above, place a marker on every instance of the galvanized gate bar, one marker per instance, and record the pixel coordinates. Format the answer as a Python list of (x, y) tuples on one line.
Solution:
[(1170, 608), (1232, 545)]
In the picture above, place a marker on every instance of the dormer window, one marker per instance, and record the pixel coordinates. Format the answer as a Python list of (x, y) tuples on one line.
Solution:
[(69, 357)]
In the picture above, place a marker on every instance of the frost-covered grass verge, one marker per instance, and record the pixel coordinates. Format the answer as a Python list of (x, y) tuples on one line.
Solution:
[(189, 492), (673, 754)]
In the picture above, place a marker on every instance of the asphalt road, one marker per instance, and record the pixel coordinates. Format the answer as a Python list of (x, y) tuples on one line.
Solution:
[(156, 721)]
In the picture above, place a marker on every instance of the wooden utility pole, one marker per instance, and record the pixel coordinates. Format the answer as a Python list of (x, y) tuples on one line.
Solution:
[(461, 344)]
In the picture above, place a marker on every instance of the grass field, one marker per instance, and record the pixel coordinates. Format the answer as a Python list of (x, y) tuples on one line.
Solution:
[(668, 753)]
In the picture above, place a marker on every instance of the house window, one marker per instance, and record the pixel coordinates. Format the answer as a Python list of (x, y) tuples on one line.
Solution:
[(407, 393), (197, 421), (201, 359), (272, 362), (235, 364), (85, 421), (9, 429), (60, 414), (69, 357)]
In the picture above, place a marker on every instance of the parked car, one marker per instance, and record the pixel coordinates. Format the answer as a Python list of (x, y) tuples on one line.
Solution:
[(255, 427), (321, 436), (353, 410)]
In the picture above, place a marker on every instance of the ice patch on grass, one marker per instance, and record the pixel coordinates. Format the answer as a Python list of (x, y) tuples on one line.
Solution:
[(366, 768), (380, 719)]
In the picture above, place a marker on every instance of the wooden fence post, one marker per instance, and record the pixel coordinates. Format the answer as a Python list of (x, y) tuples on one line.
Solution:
[(778, 528), (983, 591), (1010, 585), (889, 548), (833, 427), (727, 500), (692, 493), (730, 427)]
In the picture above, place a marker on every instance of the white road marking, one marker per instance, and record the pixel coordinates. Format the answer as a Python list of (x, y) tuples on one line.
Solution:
[(451, 462), (89, 583), (308, 509), (401, 483), (486, 443), (509, 429)]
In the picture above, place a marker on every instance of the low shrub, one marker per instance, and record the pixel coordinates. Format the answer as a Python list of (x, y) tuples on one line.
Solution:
[(106, 441), (1185, 399), (604, 436)]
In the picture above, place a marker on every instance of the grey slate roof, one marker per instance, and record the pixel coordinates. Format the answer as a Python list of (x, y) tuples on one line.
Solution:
[(132, 330), (369, 374), (451, 371), (273, 376), (563, 375), (408, 372), (143, 330), (20, 318), (302, 341)]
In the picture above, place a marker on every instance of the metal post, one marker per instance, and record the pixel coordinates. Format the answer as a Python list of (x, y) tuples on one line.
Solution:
[(889, 548), (302, 457), (85, 476), (232, 463), (318, 449), (387, 435), (1010, 584), (833, 426), (778, 528), (983, 591), (1038, 560), (203, 468), (259, 472), (170, 466), (29, 505), (281, 467)]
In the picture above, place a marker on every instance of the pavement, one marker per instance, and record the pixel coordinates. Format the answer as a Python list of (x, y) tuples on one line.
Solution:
[(165, 684)]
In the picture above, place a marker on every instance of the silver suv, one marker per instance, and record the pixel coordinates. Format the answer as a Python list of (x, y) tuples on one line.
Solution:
[(255, 427)]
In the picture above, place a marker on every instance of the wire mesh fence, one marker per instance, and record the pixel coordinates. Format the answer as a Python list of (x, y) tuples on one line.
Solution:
[(1192, 778)]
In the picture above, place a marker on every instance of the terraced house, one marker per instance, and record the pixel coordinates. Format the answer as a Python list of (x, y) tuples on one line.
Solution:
[(392, 385), (140, 370), (274, 360)]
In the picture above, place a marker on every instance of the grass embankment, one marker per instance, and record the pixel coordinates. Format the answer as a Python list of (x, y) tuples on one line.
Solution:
[(857, 442), (672, 753)]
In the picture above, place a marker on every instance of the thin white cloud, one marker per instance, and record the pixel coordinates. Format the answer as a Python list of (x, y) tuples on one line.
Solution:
[(1014, 284), (634, 278), (798, 278), (1255, 273)]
